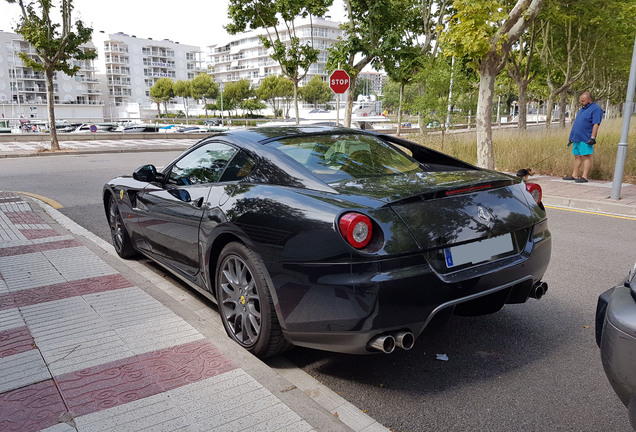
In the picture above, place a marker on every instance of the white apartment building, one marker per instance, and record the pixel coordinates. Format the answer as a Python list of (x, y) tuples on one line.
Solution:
[(23, 90), (377, 80), (243, 56), (129, 66)]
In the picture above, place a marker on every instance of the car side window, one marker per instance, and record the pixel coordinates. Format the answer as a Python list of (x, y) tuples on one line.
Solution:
[(204, 164)]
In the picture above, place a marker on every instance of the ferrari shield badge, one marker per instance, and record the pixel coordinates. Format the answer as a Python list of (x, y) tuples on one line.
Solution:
[(121, 194)]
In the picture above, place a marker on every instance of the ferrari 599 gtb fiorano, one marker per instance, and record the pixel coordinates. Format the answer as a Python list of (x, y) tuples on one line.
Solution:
[(333, 238)]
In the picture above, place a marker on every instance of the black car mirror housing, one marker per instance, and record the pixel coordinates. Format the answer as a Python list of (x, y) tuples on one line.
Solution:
[(145, 173)]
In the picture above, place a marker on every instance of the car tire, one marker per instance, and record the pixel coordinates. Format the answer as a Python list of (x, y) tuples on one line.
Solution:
[(245, 302), (121, 239)]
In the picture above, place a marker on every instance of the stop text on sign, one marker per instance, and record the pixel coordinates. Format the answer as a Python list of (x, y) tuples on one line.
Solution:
[(340, 81)]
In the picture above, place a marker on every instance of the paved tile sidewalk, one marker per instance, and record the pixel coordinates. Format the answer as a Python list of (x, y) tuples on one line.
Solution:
[(82, 348), (26, 148)]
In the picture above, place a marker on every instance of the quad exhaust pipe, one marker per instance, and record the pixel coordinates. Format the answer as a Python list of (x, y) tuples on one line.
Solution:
[(538, 290), (388, 342)]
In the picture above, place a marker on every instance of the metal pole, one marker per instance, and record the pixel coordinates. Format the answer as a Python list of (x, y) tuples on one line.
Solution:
[(450, 95), (498, 116), (621, 154), (338, 109)]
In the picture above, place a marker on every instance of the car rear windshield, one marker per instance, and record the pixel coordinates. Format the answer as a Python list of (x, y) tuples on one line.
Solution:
[(334, 158)]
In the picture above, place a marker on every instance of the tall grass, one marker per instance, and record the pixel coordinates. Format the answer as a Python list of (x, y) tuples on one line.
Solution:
[(543, 150)]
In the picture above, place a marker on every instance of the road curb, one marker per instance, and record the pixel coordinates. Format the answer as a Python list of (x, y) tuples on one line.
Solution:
[(590, 205)]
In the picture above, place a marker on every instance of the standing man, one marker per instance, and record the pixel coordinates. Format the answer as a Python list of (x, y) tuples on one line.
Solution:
[(583, 137)]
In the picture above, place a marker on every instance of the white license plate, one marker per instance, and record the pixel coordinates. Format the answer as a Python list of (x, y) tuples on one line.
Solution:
[(477, 252)]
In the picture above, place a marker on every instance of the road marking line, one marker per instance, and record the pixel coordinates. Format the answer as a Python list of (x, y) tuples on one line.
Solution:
[(591, 212), (56, 205)]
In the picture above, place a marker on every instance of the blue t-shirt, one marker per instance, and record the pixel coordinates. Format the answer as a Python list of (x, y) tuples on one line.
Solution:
[(585, 120)]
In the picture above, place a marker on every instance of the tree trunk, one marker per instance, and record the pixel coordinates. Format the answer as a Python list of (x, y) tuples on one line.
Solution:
[(296, 101), (562, 106), (158, 109), (50, 104), (523, 105), (399, 128), (349, 104), (548, 112), (487, 74), (185, 106)]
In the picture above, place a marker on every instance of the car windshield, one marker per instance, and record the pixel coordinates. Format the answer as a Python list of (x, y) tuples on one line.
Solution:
[(335, 158)]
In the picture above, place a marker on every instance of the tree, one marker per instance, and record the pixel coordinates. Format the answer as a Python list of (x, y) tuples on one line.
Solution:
[(204, 88), (162, 91), (363, 32), (293, 57), (235, 93), (316, 91), (183, 89), (251, 105), (578, 36), (485, 31), (55, 45), (566, 47), (522, 68), (274, 88), (378, 29)]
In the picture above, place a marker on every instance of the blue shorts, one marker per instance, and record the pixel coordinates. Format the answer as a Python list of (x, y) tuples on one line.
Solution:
[(580, 148)]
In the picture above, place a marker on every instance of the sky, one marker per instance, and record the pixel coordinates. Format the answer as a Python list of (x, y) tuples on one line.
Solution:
[(198, 23)]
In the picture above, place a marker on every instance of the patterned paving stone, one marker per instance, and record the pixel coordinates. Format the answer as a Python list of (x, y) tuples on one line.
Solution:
[(28, 271), (154, 413), (22, 369), (184, 364), (31, 247), (24, 217), (15, 341), (104, 386), (116, 383), (78, 263), (62, 290), (38, 233), (31, 408), (10, 319)]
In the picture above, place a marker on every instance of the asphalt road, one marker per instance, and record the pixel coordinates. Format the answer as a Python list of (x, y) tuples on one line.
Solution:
[(529, 367)]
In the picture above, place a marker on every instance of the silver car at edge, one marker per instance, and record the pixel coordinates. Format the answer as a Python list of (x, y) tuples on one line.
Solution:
[(616, 337)]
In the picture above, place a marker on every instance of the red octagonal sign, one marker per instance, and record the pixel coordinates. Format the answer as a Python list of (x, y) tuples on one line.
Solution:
[(339, 81)]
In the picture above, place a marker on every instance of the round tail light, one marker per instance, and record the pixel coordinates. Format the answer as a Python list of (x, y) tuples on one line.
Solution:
[(356, 229), (535, 191)]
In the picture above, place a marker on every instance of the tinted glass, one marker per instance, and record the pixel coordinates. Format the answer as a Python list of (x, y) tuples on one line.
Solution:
[(202, 165), (340, 157)]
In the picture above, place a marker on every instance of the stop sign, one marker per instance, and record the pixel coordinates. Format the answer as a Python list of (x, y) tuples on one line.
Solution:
[(339, 81)]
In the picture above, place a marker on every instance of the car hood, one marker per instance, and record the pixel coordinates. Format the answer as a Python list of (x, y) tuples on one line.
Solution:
[(446, 208)]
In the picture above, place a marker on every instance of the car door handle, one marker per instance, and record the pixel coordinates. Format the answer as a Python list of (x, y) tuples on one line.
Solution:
[(198, 202)]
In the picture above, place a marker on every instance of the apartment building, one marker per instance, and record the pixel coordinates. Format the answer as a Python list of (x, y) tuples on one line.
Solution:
[(376, 81), (23, 90), (129, 66), (243, 56)]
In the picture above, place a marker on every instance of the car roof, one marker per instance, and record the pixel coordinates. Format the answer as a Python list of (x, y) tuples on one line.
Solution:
[(262, 135)]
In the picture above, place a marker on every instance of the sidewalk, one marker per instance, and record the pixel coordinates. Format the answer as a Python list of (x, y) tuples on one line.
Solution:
[(593, 196), (92, 342)]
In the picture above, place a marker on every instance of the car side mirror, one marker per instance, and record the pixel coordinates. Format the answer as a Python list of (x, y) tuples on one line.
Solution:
[(146, 173)]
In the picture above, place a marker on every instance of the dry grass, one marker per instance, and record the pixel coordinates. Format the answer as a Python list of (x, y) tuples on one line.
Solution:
[(545, 151)]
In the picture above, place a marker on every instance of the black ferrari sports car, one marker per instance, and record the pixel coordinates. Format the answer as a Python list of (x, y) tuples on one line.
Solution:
[(333, 238)]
